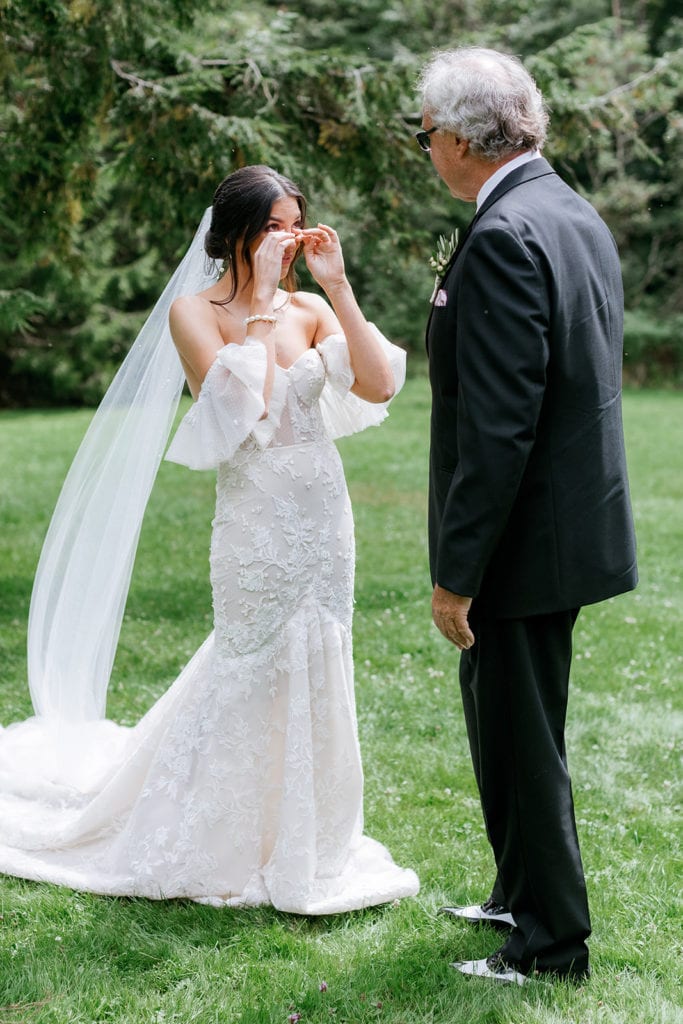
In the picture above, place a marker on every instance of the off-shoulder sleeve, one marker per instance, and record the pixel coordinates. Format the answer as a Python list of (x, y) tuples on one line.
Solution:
[(229, 408), (343, 412)]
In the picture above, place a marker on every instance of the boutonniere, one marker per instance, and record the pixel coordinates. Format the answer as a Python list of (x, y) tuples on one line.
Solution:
[(441, 257)]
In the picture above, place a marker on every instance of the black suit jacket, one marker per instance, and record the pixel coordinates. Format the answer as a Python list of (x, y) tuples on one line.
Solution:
[(529, 508)]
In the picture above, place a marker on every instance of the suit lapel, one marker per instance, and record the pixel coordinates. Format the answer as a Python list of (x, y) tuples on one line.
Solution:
[(537, 168), (461, 241), (458, 249)]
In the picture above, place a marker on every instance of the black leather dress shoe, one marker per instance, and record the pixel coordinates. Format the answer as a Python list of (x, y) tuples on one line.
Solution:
[(497, 968), (493, 968), (488, 913)]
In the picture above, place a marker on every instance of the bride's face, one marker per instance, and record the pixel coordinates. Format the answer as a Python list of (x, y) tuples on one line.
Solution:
[(285, 215)]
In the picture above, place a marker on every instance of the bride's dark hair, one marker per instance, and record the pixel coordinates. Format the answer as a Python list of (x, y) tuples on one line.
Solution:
[(241, 209)]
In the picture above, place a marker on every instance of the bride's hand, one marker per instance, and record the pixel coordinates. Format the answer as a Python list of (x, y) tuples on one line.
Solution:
[(323, 254), (267, 262)]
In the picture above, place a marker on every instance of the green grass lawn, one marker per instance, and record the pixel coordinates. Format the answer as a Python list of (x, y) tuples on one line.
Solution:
[(70, 957)]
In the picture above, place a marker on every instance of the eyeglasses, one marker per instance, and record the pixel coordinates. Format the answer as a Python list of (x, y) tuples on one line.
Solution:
[(422, 138)]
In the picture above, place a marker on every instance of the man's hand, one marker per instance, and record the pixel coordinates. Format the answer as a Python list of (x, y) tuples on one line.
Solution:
[(449, 612)]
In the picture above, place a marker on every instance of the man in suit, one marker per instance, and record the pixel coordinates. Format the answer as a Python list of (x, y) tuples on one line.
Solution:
[(529, 509)]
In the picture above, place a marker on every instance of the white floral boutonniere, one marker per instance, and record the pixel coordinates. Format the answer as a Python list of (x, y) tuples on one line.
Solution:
[(440, 258)]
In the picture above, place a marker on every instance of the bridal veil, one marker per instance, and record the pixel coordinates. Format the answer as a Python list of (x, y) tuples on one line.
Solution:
[(84, 572)]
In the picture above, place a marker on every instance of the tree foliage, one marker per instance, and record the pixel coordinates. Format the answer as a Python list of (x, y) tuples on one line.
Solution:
[(118, 120)]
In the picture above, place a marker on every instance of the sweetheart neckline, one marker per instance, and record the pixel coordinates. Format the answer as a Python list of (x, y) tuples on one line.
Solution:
[(313, 348), (284, 369)]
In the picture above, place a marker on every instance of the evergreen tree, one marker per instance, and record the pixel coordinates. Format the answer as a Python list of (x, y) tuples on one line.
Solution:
[(117, 121)]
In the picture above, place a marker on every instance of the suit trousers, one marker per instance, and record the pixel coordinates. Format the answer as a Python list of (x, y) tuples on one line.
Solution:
[(515, 682)]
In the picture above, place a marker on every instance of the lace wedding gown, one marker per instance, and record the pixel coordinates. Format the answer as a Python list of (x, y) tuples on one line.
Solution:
[(243, 784)]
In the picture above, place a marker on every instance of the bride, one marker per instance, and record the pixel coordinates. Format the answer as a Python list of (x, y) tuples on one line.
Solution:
[(243, 784)]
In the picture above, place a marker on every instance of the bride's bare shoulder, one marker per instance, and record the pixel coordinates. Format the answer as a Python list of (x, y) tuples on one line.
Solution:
[(193, 323), (192, 306), (318, 311), (188, 310), (309, 302)]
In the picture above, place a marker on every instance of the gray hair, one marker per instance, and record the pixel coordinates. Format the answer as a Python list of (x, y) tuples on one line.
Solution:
[(486, 97)]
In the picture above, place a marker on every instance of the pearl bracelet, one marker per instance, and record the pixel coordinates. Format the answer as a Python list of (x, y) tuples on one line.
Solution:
[(259, 316)]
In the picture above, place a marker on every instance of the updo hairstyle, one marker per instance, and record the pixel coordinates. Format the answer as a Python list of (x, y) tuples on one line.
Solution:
[(242, 204)]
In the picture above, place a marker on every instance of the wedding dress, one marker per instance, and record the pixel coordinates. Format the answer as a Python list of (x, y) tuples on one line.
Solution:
[(243, 784)]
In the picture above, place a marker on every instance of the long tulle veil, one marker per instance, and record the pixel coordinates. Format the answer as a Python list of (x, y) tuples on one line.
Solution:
[(84, 572)]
